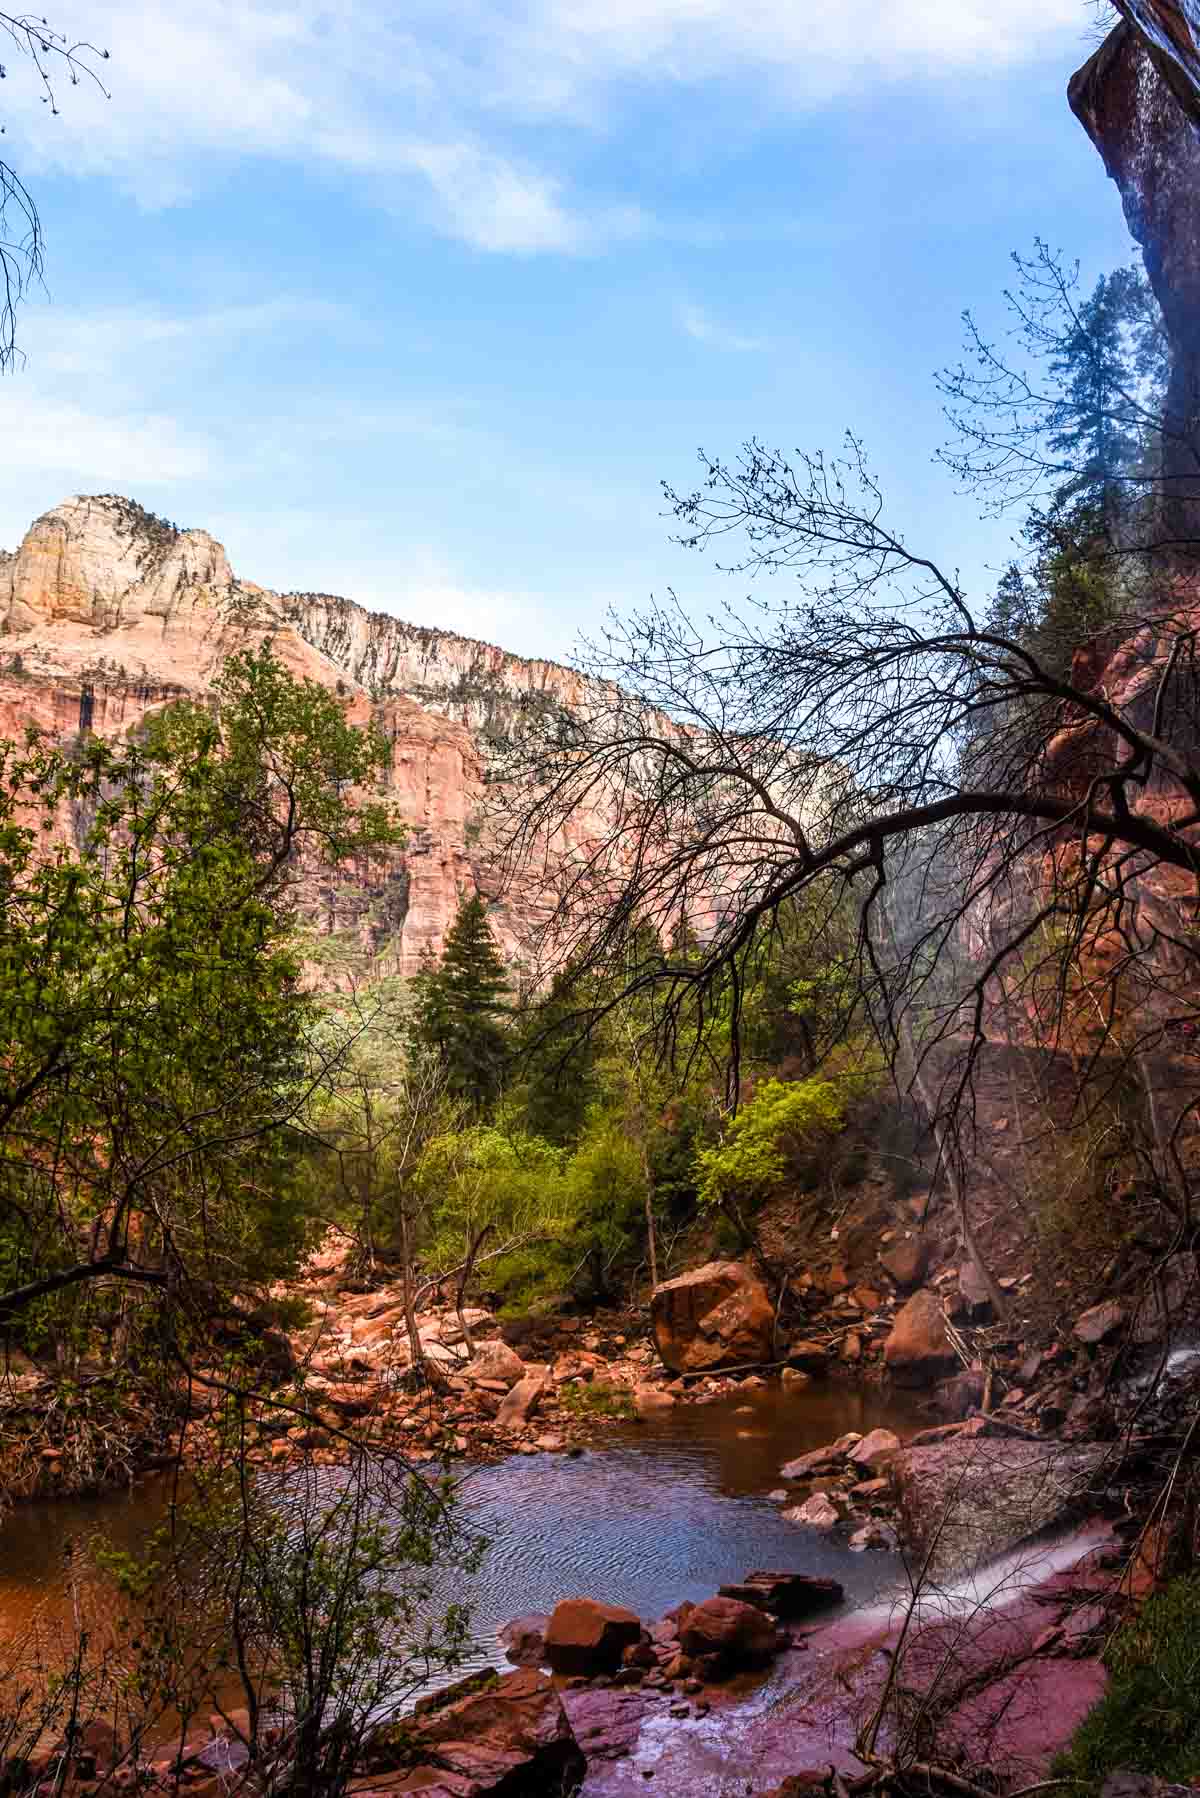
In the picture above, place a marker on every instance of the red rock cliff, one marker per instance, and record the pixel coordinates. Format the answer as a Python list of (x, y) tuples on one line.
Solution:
[(106, 612)]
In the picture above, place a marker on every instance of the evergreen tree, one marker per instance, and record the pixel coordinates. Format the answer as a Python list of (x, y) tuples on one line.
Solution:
[(1101, 364), (462, 1008)]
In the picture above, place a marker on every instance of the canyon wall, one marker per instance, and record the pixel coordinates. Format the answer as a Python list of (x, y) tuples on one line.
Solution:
[(1138, 98), (107, 612)]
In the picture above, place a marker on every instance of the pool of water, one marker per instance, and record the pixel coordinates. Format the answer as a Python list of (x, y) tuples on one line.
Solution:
[(664, 1511)]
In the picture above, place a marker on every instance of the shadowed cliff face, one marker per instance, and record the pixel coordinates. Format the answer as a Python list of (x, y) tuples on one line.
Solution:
[(1138, 98), (107, 612)]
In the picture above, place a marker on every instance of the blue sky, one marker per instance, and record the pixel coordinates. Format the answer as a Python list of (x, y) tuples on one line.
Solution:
[(418, 302)]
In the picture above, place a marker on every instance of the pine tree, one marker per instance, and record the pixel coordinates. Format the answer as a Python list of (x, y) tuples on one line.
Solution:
[(462, 1008)]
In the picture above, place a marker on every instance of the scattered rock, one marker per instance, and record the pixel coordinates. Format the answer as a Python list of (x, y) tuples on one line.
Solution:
[(866, 1490), (821, 1460), (973, 1290), (875, 1450), (960, 1396), (1090, 1418), (817, 1512), (717, 1315), (1100, 1323), (787, 1595), (1171, 1302), (874, 1535), (906, 1261), (519, 1404), (652, 1401), (496, 1361), (524, 1639), (793, 1379), (918, 1349)]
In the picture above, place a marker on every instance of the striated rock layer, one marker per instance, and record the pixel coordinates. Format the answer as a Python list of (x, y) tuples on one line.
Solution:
[(107, 612)]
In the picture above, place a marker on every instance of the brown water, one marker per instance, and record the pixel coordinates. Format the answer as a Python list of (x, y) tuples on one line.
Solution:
[(664, 1511)]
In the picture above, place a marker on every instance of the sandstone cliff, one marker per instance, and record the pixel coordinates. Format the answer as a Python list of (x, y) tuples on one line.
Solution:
[(107, 611), (1138, 98)]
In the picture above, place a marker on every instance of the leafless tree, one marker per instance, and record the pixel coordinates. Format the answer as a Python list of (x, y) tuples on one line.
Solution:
[(866, 731), (53, 57)]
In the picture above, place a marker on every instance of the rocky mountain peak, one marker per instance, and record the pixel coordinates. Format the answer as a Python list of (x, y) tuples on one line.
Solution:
[(107, 610)]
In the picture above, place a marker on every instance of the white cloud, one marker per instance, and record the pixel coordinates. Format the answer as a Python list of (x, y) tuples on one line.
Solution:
[(807, 50), (98, 343), (44, 436), (702, 328), (494, 203), (427, 97)]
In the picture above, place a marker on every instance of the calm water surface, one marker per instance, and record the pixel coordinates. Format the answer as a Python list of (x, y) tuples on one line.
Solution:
[(664, 1511)]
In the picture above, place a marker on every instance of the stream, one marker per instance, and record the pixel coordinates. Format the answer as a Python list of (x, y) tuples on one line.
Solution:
[(663, 1511)]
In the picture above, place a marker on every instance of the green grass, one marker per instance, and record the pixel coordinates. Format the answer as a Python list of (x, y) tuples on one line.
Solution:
[(595, 1400), (1149, 1719)]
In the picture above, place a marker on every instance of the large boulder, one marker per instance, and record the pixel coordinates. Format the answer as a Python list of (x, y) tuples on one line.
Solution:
[(718, 1315), (585, 1636), (966, 1499), (729, 1635), (918, 1350), (513, 1737)]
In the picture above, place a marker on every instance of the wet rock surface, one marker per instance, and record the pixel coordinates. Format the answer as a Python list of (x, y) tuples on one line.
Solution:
[(725, 1635), (963, 1500), (586, 1636)]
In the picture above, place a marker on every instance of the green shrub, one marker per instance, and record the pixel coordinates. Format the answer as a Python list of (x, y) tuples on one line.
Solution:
[(1149, 1719), (768, 1137)]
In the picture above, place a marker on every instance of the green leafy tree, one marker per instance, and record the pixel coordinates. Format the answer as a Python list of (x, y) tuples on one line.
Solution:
[(156, 1043), (462, 1008)]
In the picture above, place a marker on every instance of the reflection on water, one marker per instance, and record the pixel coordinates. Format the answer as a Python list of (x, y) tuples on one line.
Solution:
[(669, 1510)]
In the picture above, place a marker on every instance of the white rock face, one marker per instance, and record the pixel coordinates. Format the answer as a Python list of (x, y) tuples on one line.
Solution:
[(105, 563)]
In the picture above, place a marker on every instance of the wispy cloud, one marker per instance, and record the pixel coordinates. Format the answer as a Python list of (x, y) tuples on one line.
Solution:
[(495, 203), (96, 343), (703, 328), (563, 51), (432, 97), (44, 436)]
